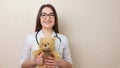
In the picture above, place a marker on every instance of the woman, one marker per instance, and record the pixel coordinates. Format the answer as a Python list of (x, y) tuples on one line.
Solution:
[(46, 26)]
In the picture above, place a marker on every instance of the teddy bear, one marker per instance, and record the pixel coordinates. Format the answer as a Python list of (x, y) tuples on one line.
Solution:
[(47, 47)]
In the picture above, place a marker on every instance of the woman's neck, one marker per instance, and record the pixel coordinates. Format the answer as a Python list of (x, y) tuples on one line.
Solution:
[(47, 32)]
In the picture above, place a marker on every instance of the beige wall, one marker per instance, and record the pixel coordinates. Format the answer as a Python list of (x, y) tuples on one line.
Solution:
[(92, 26)]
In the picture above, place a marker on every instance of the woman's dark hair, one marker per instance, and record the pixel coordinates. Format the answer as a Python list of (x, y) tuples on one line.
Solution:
[(38, 26)]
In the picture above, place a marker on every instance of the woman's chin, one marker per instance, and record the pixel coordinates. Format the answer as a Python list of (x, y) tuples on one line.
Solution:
[(48, 27)]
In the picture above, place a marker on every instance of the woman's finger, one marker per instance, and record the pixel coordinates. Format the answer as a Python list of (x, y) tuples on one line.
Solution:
[(41, 55), (50, 58), (49, 61)]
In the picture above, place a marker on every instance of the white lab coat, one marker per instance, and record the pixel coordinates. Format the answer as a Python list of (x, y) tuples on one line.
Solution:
[(31, 44)]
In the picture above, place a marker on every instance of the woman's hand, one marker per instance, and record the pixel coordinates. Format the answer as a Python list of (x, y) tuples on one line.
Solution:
[(51, 62), (39, 59)]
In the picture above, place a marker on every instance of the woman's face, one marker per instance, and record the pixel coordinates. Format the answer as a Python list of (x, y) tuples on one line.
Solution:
[(47, 18)]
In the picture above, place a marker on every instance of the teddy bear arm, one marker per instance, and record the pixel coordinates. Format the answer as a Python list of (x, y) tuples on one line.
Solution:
[(36, 53), (56, 56)]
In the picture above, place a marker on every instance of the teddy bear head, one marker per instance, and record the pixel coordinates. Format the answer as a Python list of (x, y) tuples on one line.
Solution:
[(47, 44)]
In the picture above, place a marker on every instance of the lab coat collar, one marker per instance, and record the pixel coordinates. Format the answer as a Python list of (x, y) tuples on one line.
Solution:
[(42, 35)]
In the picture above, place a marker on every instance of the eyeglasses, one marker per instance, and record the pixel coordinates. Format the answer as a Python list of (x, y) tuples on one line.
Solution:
[(44, 15)]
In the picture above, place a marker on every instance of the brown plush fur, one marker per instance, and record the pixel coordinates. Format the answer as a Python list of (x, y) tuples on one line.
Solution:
[(47, 46)]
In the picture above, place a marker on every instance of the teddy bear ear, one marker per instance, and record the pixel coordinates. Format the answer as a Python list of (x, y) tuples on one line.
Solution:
[(53, 39)]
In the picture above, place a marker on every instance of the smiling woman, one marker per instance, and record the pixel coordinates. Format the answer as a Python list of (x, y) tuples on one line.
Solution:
[(47, 18), (46, 26)]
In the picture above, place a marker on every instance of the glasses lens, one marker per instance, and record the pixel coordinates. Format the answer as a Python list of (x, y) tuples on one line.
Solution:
[(44, 16), (51, 16)]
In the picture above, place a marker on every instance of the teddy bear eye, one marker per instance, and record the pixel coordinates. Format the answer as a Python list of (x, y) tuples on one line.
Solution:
[(48, 43), (42, 43)]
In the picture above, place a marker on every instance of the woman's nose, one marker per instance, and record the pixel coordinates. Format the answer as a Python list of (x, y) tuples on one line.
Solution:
[(48, 17)]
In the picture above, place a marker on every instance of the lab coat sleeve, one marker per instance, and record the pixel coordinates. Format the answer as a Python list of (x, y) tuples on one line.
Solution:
[(26, 53), (66, 51)]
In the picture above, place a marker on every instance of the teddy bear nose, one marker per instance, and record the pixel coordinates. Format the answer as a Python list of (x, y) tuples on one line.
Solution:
[(45, 45)]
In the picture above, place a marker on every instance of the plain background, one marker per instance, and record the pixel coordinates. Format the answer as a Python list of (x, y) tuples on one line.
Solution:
[(92, 27)]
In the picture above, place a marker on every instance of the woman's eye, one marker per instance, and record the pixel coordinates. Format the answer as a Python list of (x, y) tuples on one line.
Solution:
[(43, 14), (51, 14)]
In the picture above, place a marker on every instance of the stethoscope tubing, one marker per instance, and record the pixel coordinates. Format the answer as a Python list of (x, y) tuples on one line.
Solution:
[(54, 36)]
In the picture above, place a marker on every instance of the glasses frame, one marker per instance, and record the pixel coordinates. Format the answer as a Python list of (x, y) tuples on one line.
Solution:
[(50, 15)]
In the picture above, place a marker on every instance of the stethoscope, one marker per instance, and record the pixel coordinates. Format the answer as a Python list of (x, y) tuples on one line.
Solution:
[(56, 35)]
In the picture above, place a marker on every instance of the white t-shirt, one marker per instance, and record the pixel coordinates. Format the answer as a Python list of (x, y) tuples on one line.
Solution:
[(31, 44)]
